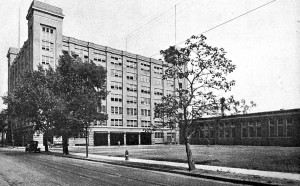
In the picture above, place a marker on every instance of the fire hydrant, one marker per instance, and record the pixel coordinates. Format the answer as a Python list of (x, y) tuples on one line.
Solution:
[(126, 155)]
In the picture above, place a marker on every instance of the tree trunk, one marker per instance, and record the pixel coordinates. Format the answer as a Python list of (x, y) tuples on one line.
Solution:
[(46, 142), (191, 162), (65, 145), (2, 140), (86, 142)]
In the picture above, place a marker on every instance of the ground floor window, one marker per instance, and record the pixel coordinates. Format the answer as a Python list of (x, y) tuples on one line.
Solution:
[(159, 134)]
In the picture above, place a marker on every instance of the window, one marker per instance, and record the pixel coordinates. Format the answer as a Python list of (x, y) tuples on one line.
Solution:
[(116, 73), (289, 127), (227, 130), (157, 101), (116, 61), (211, 130), (132, 123), (280, 123), (145, 101), (232, 130), (145, 90), (48, 46), (131, 76), (145, 112), (251, 129), (258, 129), (116, 110), (272, 128), (47, 33), (145, 79), (99, 58), (158, 92), (116, 97), (101, 123), (145, 123), (131, 100), (131, 64), (116, 122), (116, 85), (132, 111), (244, 130), (159, 135), (145, 67), (131, 88), (157, 70), (157, 81), (47, 60), (221, 130), (180, 85)]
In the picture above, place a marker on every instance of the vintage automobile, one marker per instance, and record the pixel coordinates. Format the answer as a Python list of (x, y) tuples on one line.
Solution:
[(32, 146)]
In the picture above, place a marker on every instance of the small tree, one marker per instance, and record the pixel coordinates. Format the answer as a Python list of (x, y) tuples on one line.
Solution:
[(202, 69)]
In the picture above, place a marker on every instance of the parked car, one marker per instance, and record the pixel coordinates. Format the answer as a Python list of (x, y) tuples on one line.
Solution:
[(32, 146)]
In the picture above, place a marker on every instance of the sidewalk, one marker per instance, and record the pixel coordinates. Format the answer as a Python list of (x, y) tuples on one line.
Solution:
[(278, 175)]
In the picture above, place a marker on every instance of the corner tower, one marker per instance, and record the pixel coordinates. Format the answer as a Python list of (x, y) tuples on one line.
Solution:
[(44, 34)]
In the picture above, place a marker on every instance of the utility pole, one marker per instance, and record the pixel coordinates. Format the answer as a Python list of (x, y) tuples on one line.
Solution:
[(175, 25)]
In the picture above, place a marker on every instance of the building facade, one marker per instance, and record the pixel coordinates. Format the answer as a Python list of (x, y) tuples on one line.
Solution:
[(277, 128), (134, 81)]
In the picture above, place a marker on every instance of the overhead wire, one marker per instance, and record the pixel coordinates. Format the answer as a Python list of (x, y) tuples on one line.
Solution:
[(223, 23)]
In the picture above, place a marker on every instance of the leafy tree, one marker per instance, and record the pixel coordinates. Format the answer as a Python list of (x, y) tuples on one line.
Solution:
[(62, 102), (202, 70), (32, 100), (81, 86)]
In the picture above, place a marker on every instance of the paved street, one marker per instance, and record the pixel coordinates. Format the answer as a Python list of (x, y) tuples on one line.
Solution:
[(20, 168)]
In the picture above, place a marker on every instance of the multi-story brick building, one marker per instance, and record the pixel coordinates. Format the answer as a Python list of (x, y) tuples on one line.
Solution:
[(134, 81), (281, 128)]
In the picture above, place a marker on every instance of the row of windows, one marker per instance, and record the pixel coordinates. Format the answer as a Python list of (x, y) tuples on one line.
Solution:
[(145, 112), (145, 123), (132, 123), (131, 100), (145, 101), (47, 60), (116, 122), (157, 70), (116, 110), (47, 46), (116, 85), (159, 135), (116, 97), (251, 129), (158, 92), (131, 87), (145, 90), (132, 111), (131, 64)]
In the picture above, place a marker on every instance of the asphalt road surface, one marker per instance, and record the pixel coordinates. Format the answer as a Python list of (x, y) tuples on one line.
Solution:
[(20, 168)]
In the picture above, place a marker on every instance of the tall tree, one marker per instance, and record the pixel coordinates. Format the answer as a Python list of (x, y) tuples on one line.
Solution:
[(81, 86), (32, 100), (203, 70)]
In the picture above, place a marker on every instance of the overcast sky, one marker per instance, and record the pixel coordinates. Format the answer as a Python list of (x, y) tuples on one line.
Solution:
[(264, 44)]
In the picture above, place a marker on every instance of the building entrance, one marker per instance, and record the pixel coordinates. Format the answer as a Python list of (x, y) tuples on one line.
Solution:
[(115, 137), (145, 138), (100, 139), (132, 138)]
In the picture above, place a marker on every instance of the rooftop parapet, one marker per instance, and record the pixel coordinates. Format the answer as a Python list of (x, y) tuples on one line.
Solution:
[(40, 6)]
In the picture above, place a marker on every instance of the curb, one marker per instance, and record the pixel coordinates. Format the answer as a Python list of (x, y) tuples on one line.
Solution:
[(168, 170)]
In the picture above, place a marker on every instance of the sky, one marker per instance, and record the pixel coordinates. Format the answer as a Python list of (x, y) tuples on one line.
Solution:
[(263, 43)]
